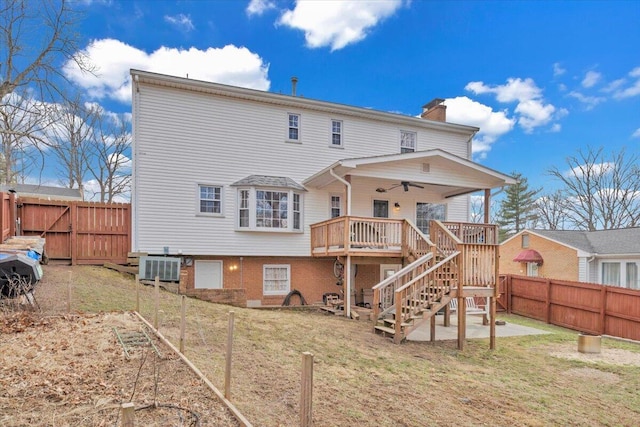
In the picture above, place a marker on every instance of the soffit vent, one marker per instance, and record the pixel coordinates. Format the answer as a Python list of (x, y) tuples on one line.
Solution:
[(426, 167)]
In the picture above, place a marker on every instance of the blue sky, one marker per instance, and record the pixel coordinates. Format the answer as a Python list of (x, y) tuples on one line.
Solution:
[(541, 79)]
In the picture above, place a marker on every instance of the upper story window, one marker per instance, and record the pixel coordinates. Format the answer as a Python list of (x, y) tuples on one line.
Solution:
[(336, 133), (525, 241), (294, 127), (408, 141), (210, 199)]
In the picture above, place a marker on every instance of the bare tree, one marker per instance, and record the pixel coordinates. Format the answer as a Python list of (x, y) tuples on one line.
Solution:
[(71, 139), (109, 164), (601, 193), (35, 37), (552, 211), (22, 119)]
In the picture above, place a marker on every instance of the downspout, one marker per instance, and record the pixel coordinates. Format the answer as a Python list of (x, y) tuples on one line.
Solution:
[(347, 273), (348, 185)]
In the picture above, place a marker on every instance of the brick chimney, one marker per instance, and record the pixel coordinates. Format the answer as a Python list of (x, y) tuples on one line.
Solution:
[(435, 110)]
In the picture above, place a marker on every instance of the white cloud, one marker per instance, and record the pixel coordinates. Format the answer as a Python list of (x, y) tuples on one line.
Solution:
[(258, 7), (589, 101), (492, 124), (531, 109), (614, 85), (558, 70), (232, 65), (636, 134), (557, 127), (181, 21), (591, 79), (337, 23)]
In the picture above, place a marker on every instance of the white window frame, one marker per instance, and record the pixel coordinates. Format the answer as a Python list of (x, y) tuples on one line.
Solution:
[(252, 208), (298, 128), (404, 147), (621, 272), (266, 267), (418, 221), (340, 134), (199, 199), (332, 207)]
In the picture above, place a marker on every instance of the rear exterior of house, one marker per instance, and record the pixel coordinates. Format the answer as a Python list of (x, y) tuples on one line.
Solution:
[(240, 185), (608, 257)]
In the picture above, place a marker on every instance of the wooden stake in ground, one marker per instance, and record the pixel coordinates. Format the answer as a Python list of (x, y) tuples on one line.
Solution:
[(157, 303), (306, 392), (227, 370), (183, 313), (128, 412), (138, 293)]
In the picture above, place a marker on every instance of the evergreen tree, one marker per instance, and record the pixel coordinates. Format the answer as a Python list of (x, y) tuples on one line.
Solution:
[(518, 208)]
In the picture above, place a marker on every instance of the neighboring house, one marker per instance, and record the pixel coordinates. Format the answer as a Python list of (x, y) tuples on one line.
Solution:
[(608, 257), (242, 185), (43, 192)]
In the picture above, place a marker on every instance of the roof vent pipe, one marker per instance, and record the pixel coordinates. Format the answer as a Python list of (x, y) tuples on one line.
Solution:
[(294, 83)]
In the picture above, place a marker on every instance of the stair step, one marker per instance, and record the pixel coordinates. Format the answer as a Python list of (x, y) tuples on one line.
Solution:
[(385, 329), (393, 322)]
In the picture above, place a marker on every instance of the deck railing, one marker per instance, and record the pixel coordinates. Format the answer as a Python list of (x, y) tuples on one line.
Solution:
[(339, 236), (424, 291)]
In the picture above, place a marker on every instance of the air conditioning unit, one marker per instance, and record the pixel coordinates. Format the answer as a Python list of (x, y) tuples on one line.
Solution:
[(166, 268)]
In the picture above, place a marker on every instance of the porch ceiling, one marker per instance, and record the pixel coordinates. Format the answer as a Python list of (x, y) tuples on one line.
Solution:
[(437, 170)]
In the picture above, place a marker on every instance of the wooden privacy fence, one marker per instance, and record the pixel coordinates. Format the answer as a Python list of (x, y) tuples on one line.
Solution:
[(585, 307), (77, 232)]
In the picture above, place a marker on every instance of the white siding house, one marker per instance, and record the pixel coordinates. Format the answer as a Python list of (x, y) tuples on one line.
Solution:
[(234, 175)]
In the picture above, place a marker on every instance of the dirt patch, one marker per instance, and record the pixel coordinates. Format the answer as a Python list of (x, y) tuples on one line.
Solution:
[(611, 356), (71, 370), (594, 374)]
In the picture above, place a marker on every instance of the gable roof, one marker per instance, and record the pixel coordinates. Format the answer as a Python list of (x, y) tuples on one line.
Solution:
[(620, 241), (470, 176), (43, 191), (291, 101)]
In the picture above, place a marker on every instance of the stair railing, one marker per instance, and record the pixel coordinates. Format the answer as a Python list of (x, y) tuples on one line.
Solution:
[(423, 291), (383, 292), (415, 243)]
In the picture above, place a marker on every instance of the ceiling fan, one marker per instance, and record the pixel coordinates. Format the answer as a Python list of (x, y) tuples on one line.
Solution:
[(405, 185)]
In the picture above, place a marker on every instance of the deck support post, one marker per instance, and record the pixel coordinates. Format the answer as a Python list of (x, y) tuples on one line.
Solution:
[(347, 280), (492, 325), (462, 320)]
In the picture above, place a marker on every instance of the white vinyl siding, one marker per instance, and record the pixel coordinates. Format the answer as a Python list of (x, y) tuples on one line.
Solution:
[(276, 279), (182, 131)]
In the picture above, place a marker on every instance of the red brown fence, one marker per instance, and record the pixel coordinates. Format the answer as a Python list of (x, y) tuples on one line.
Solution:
[(585, 307), (76, 232)]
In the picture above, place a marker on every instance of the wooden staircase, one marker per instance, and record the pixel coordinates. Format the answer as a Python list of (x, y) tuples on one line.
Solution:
[(466, 256)]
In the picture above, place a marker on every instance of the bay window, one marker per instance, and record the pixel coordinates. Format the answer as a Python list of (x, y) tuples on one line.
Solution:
[(265, 209)]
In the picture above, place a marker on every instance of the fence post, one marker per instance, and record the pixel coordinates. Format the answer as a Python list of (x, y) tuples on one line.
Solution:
[(227, 370), (548, 302), (306, 392), (128, 411), (157, 302), (183, 312), (73, 222), (13, 214), (138, 293), (603, 310)]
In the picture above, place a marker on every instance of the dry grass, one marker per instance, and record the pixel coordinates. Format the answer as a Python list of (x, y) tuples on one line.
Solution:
[(363, 379)]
